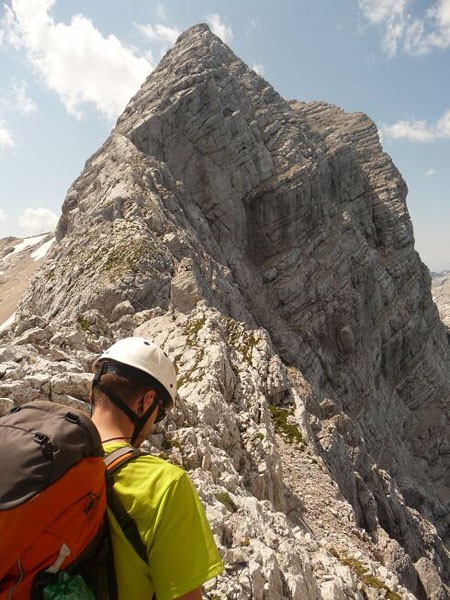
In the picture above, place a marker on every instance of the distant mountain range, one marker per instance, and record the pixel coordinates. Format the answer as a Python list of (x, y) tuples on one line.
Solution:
[(440, 288)]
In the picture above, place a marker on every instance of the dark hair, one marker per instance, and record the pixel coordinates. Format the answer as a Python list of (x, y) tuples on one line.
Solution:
[(124, 388), (127, 382)]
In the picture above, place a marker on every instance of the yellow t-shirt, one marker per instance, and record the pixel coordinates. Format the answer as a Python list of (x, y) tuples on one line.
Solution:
[(181, 551)]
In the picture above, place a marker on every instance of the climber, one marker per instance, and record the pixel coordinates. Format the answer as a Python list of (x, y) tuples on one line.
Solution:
[(133, 387)]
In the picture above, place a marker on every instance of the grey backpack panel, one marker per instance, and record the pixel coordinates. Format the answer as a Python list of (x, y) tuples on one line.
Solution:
[(51, 439)]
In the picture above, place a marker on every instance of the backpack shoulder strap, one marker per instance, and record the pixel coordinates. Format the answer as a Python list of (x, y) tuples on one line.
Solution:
[(115, 461)]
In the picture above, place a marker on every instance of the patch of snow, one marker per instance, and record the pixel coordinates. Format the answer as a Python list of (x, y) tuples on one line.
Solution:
[(27, 243), (8, 322), (42, 251)]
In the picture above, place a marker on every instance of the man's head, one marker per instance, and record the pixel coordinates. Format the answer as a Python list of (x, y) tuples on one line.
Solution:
[(128, 371)]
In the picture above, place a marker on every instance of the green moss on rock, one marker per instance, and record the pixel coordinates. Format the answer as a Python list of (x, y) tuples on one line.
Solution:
[(84, 324), (362, 573), (290, 432), (241, 340), (225, 499), (191, 331)]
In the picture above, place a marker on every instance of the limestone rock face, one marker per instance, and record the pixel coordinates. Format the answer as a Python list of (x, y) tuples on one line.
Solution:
[(266, 245), (282, 526)]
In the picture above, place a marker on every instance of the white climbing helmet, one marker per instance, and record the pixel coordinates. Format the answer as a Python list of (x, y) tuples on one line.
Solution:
[(141, 354)]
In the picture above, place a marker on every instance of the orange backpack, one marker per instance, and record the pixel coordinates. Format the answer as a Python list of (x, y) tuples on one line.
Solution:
[(52, 495), (54, 486)]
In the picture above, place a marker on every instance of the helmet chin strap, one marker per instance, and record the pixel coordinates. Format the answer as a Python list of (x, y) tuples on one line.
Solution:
[(138, 421)]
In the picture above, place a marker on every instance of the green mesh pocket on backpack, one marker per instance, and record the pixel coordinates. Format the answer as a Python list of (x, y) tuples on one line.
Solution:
[(67, 587)]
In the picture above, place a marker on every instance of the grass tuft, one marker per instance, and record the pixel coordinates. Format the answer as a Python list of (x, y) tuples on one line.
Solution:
[(225, 499), (290, 432)]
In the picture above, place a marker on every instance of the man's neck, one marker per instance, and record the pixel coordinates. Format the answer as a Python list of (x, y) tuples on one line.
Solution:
[(110, 427)]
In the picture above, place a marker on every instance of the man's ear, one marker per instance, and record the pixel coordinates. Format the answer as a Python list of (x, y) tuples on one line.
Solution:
[(149, 397), (90, 399)]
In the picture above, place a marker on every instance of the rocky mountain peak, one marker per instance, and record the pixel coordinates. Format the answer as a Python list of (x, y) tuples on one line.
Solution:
[(267, 246)]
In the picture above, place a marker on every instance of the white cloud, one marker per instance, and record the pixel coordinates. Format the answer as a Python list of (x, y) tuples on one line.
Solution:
[(415, 131), (20, 101), (2, 215), (6, 140), (391, 15), (38, 220), (419, 131), (76, 60), (161, 11), (8, 30), (443, 125), (160, 33), (15, 99), (430, 172), (220, 28), (392, 36), (414, 35), (440, 13), (379, 11), (258, 69), (255, 23), (415, 40)]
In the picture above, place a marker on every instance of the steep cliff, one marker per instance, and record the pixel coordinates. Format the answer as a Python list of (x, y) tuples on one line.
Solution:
[(267, 246)]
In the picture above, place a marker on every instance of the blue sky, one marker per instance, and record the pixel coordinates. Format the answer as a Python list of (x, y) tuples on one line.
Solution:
[(68, 69)]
